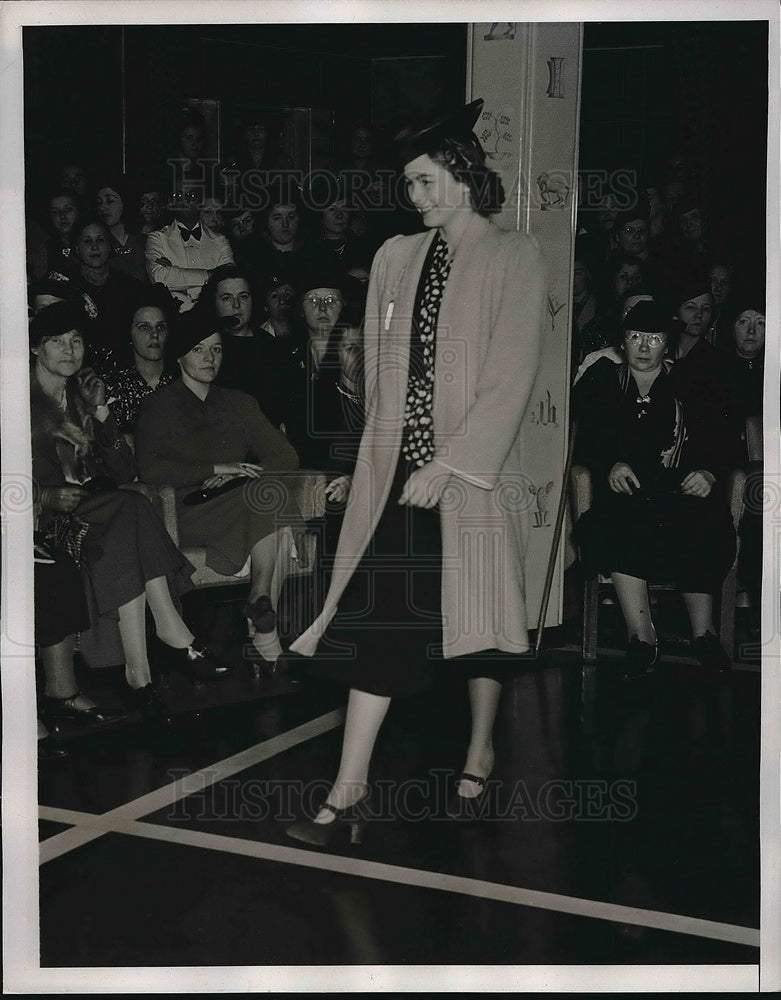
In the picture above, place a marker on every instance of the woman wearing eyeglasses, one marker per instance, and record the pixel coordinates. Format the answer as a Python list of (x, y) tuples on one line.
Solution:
[(659, 513)]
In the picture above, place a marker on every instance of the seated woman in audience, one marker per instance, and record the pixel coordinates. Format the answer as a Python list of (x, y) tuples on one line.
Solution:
[(281, 244), (320, 305), (249, 351), (116, 209), (60, 611), (745, 374), (659, 511), (621, 276), (332, 214), (723, 288), (200, 438), (107, 295), (589, 333), (150, 322), (55, 252), (279, 299), (125, 555), (151, 206)]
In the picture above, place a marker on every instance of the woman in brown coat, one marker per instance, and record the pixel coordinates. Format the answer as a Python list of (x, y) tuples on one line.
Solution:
[(429, 569)]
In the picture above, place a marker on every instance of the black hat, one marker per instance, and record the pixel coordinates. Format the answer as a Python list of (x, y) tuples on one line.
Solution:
[(647, 317), (411, 143), (190, 328), (689, 284), (320, 273), (58, 288), (53, 320)]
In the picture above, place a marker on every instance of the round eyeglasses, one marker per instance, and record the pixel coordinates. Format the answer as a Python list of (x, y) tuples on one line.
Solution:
[(316, 301), (652, 339)]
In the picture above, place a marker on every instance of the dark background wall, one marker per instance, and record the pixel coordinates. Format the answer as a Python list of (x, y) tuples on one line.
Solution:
[(646, 87), (696, 88), (74, 81)]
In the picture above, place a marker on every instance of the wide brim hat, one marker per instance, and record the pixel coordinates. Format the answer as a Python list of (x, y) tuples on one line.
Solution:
[(54, 320), (190, 328), (456, 127)]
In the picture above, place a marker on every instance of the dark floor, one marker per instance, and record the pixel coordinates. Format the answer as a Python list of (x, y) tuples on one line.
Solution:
[(621, 827)]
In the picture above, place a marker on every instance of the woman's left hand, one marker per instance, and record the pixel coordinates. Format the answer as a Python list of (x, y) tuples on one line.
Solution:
[(92, 387), (425, 486), (698, 483)]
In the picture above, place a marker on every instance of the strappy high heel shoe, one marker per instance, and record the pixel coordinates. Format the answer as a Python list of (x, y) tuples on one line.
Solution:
[(470, 808), (56, 710), (347, 821), (198, 662)]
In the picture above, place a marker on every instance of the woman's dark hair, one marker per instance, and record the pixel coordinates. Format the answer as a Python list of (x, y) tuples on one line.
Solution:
[(223, 273), (127, 191), (283, 190), (154, 296), (330, 369), (46, 207), (465, 160)]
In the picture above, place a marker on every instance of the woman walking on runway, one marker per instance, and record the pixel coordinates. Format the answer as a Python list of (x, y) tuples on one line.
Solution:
[(428, 574)]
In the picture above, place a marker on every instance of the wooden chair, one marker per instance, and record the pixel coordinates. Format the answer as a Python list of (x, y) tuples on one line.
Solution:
[(582, 498)]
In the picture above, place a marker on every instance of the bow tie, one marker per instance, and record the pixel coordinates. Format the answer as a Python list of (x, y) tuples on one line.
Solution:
[(187, 233)]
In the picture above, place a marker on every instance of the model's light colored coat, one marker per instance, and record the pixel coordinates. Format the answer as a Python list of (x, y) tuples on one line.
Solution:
[(487, 349)]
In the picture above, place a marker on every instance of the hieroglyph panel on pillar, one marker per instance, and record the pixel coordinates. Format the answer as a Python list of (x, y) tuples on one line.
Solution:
[(529, 79)]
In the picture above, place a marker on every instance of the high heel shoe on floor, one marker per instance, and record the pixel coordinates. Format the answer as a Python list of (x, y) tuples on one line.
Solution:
[(261, 614), (198, 662), (154, 711), (470, 808), (49, 749), (346, 821), (55, 710)]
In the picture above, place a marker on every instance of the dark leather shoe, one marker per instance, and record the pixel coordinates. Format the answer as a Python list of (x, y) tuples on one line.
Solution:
[(48, 750), (54, 710), (199, 662), (639, 658), (154, 711), (710, 653), (261, 614)]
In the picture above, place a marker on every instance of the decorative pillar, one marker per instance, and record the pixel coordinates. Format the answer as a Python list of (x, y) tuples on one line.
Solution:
[(529, 77)]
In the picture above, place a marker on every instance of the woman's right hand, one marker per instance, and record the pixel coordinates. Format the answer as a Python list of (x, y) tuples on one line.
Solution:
[(63, 499), (621, 479), (231, 470), (336, 491)]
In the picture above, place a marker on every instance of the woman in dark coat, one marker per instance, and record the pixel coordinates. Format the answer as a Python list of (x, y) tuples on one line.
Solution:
[(124, 553), (451, 342), (659, 511), (201, 438)]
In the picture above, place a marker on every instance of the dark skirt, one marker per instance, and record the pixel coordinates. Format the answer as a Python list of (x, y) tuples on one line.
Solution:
[(229, 524), (660, 538), (126, 546), (60, 607), (386, 637)]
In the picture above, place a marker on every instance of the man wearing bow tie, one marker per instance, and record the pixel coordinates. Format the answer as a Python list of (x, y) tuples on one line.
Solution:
[(183, 254)]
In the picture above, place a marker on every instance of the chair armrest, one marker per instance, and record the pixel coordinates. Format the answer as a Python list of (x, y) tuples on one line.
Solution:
[(310, 494), (734, 486), (582, 489)]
